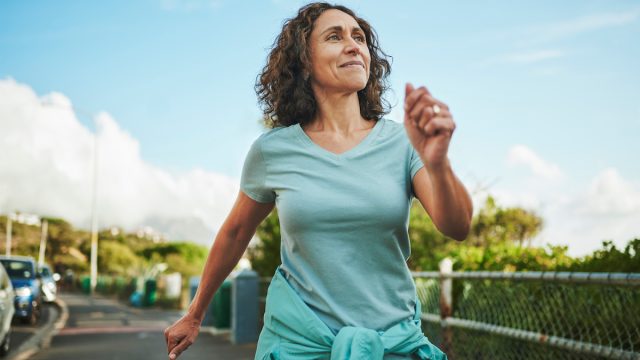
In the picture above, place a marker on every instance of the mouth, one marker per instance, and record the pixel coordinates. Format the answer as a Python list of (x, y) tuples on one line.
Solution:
[(352, 64)]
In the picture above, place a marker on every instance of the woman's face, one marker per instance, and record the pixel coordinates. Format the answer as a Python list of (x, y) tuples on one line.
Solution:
[(339, 55)]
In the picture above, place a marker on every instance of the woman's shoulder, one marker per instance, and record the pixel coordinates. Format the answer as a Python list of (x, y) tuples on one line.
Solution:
[(279, 133), (391, 129), (392, 125), (275, 141)]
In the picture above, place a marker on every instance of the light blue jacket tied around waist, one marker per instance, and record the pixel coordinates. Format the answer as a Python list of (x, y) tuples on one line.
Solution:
[(293, 331)]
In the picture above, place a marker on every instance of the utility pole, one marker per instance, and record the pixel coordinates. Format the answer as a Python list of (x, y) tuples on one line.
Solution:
[(94, 219), (9, 232), (94, 214), (43, 241)]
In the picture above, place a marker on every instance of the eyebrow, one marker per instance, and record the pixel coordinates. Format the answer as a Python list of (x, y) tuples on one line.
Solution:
[(339, 28)]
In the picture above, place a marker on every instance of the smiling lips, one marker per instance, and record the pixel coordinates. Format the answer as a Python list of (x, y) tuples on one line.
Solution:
[(352, 63)]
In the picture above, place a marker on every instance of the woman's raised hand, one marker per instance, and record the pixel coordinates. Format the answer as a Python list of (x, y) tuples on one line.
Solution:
[(429, 125), (181, 335)]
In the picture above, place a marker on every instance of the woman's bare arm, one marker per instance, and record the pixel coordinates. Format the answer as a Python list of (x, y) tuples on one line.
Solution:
[(230, 243), (228, 247)]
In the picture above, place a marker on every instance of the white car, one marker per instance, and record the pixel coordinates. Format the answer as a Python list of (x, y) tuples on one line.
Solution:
[(7, 295), (49, 287)]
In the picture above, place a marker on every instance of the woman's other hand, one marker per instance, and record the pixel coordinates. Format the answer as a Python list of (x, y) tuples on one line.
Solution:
[(429, 132), (181, 335)]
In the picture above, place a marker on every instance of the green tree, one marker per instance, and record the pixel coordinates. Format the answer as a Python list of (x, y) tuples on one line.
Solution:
[(183, 257), (117, 259), (610, 259), (61, 238), (428, 245), (496, 225), (265, 254)]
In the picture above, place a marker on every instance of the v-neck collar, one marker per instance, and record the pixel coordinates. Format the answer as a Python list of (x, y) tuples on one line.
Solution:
[(357, 149)]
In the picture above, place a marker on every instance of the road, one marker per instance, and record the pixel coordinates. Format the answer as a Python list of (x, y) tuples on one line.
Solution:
[(103, 329), (20, 332)]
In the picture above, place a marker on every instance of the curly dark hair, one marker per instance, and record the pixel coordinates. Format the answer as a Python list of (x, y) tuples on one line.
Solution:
[(284, 93)]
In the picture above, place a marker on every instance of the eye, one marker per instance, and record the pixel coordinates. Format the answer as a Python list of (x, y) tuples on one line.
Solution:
[(333, 37), (359, 38)]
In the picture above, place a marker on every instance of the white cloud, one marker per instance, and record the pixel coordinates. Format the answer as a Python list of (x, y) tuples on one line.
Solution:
[(607, 209), (522, 155), (578, 214), (610, 195), (47, 169)]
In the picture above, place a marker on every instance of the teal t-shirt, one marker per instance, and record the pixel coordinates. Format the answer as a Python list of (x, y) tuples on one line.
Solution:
[(343, 221)]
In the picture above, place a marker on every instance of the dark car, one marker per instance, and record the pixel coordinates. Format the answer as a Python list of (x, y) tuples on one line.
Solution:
[(26, 284)]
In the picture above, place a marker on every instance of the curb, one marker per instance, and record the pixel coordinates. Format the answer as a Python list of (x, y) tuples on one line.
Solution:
[(42, 338)]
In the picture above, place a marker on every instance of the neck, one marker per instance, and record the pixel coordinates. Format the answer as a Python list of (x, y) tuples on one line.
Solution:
[(337, 113)]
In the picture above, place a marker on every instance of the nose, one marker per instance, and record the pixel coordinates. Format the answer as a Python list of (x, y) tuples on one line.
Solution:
[(352, 48)]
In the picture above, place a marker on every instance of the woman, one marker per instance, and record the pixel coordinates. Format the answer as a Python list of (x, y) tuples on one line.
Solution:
[(343, 179)]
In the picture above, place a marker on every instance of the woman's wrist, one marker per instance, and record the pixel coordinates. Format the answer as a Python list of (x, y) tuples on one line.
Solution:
[(195, 315), (439, 168)]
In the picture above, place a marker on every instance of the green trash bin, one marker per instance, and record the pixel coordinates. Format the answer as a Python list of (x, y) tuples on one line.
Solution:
[(86, 284), (221, 306), (150, 292)]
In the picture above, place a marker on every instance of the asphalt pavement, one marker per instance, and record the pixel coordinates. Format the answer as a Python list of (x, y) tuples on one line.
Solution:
[(27, 336), (101, 328)]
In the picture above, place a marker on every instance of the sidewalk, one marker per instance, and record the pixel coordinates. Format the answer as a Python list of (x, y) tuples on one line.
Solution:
[(100, 328)]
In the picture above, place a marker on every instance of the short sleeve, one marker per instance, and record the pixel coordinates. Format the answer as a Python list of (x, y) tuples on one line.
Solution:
[(415, 163), (254, 175)]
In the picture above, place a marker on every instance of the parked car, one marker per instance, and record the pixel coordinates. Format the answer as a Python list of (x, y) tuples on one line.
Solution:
[(26, 284), (49, 286), (7, 310)]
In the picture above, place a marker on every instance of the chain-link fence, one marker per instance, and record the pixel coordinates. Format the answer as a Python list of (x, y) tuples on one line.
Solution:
[(532, 315)]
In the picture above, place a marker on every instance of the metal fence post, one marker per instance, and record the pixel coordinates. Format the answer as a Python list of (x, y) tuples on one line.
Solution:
[(446, 301), (244, 307)]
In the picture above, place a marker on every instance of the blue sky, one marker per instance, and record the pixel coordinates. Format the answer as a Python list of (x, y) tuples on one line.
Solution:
[(539, 90)]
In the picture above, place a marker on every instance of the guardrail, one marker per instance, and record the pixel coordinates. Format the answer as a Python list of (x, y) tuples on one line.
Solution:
[(531, 315)]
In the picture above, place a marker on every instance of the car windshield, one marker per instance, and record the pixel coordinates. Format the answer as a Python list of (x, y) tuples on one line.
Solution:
[(18, 269), (44, 271)]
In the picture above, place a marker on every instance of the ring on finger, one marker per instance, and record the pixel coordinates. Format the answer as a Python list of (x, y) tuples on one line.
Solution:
[(436, 109)]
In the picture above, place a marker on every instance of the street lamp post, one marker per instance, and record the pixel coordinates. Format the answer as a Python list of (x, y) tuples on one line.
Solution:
[(94, 202), (94, 219), (10, 218), (43, 241)]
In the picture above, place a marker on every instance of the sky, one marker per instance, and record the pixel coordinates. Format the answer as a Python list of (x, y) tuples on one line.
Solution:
[(545, 96)]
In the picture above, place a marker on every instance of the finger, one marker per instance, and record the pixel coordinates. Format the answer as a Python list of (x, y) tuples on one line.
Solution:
[(171, 340), (419, 107), (443, 111), (439, 125), (408, 88), (180, 348), (425, 117), (410, 100), (166, 339), (171, 345), (429, 101)]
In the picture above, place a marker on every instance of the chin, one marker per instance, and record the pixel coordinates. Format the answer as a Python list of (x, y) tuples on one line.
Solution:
[(355, 86)]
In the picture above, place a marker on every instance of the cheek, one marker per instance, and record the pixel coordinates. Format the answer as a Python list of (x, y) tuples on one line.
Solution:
[(322, 62), (367, 59)]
